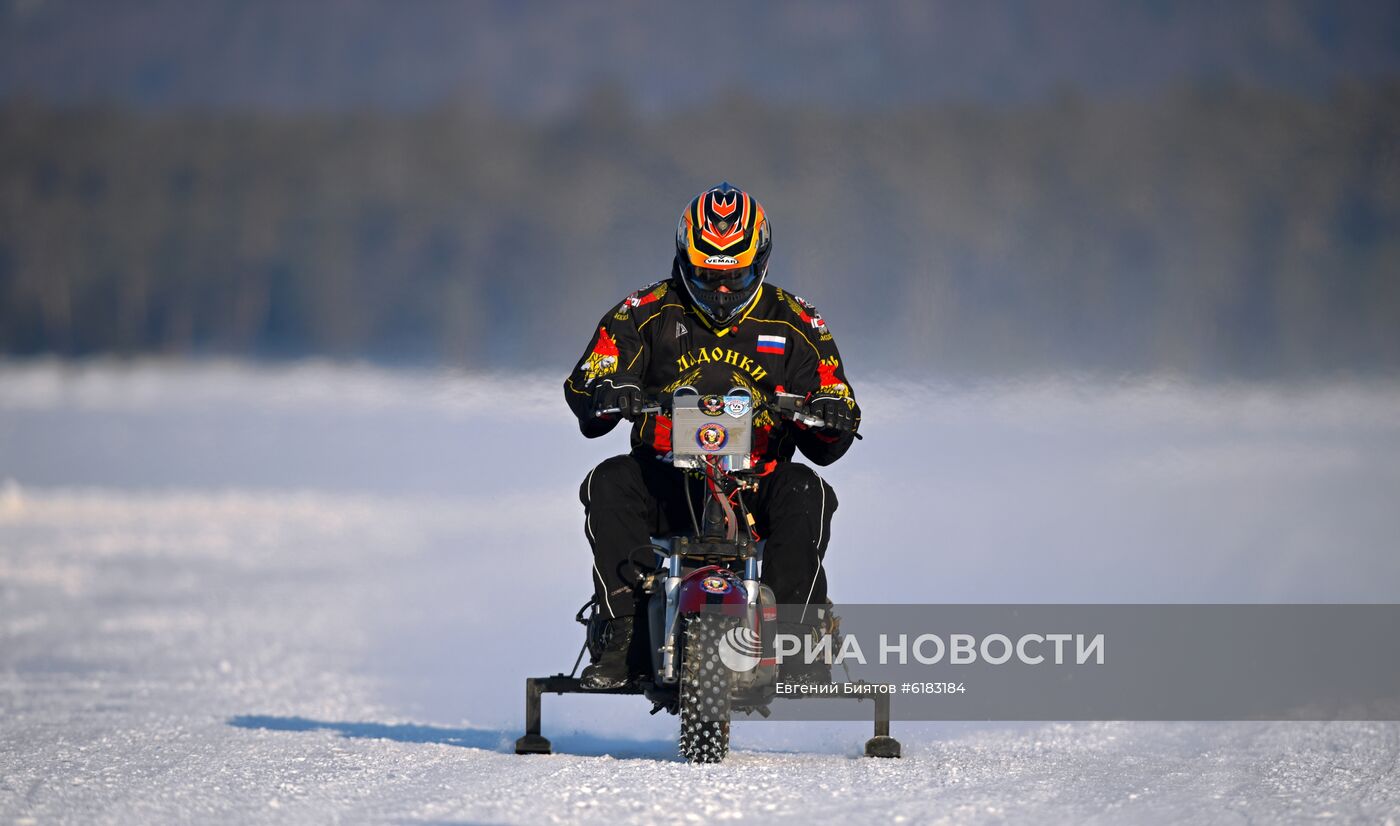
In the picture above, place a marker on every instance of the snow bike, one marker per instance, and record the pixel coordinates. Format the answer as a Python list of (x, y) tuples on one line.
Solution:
[(705, 620)]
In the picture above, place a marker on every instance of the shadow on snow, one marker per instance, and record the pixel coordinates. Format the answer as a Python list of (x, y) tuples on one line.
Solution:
[(578, 743)]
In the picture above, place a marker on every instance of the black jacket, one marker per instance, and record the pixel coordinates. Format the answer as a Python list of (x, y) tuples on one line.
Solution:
[(657, 340)]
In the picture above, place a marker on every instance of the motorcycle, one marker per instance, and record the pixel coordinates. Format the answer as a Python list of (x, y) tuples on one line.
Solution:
[(706, 620)]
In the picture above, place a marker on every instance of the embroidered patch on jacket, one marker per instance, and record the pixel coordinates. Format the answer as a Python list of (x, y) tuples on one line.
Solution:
[(602, 361), (772, 344)]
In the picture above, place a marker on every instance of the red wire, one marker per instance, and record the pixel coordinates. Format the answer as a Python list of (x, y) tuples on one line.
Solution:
[(710, 479)]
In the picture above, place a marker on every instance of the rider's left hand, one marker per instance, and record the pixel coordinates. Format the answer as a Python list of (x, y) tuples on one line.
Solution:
[(838, 414)]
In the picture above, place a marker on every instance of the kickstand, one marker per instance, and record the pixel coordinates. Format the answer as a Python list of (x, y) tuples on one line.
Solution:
[(579, 618), (579, 658)]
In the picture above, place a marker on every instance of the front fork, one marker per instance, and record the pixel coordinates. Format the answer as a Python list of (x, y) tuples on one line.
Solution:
[(668, 644), (751, 591)]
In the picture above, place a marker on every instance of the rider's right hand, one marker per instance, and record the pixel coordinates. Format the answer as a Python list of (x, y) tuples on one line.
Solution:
[(618, 396)]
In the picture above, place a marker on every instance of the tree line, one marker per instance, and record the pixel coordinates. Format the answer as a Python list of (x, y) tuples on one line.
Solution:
[(1210, 230)]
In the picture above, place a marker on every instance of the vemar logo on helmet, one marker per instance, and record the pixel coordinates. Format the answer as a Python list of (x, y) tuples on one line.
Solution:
[(724, 378)]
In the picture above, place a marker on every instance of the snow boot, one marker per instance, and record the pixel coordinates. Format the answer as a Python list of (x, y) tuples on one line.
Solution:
[(794, 668), (611, 669)]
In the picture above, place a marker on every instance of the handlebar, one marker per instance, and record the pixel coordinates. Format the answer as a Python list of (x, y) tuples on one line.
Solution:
[(787, 406), (651, 406)]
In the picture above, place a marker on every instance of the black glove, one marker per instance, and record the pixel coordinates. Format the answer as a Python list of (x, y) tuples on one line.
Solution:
[(837, 414), (619, 394)]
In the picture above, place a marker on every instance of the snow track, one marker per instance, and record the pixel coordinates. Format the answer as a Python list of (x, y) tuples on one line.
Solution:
[(222, 643)]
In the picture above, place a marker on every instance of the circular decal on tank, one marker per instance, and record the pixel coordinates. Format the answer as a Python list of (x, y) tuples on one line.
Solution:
[(711, 437), (716, 585), (712, 405)]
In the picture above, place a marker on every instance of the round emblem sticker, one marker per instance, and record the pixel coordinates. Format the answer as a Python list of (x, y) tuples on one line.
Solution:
[(712, 405), (715, 585), (711, 437)]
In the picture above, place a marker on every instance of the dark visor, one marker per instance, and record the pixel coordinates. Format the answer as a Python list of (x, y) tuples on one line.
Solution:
[(734, 280)]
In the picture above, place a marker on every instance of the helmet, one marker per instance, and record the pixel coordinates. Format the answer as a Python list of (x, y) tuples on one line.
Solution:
[(722, 246)]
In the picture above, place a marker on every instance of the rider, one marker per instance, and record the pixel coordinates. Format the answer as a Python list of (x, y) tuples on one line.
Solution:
[(713, 325)]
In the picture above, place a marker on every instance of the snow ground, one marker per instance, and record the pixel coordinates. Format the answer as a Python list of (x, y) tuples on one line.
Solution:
[(310, 594)]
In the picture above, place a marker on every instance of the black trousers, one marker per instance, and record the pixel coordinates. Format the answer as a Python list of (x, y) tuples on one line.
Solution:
[(629, 499)]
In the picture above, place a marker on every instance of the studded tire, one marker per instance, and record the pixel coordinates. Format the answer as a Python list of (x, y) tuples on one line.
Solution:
[(706, 685)]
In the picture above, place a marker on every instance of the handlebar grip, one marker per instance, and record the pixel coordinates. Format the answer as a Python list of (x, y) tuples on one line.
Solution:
[(813, 421)]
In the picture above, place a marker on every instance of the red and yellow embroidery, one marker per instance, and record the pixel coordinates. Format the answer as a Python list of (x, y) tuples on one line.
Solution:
[(830, 384), (602, 361)]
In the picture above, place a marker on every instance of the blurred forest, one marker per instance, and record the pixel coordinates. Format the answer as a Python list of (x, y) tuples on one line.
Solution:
[(1214, 230), (543, 56)]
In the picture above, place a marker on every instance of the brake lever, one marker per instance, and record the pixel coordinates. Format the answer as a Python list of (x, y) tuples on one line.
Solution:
[(813, 421), (614, 411), (788, 405)]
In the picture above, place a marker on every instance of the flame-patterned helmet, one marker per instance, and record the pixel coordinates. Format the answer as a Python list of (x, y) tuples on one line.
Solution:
[(722, 246)]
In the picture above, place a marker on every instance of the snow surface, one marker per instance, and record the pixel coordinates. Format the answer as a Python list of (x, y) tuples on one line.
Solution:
[(311, 593)]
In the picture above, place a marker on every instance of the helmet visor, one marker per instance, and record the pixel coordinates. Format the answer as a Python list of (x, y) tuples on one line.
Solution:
[(736, 280)]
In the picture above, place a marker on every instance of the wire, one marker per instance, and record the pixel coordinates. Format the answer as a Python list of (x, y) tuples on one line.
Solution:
[(644, 569), (753, 532), (690, 504), (731, 522)]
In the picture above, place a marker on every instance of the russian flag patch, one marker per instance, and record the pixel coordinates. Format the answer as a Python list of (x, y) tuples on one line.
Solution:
[(772, 344)]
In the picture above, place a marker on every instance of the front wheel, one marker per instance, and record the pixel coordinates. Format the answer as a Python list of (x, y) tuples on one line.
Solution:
[(706, 684)]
